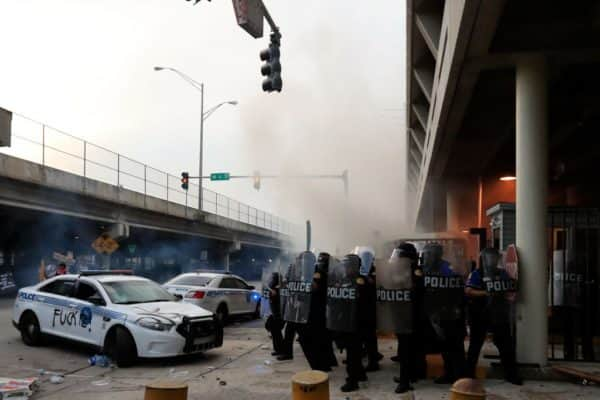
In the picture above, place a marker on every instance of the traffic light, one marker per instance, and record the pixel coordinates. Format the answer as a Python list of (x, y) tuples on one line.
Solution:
[(272, 67), (185, 180), (257, 180)]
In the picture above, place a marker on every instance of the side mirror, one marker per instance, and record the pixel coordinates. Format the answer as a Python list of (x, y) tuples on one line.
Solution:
[(250, 287)]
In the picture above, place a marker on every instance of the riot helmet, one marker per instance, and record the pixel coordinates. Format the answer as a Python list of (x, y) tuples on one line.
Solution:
[(405, 250), (322, 263), (352, 264), (490, 260), (432, 255)]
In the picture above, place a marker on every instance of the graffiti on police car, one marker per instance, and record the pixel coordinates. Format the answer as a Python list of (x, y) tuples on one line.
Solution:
[(81, 318)]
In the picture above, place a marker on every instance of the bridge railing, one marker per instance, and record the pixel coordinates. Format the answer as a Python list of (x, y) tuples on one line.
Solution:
[(42, 144)]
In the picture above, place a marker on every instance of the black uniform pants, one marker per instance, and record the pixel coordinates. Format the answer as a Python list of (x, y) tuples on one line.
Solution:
[(502, 340), (354, 367), (287, 347), (314, 342), (275, 325), (453, 348), (369, 339), (407, 357)]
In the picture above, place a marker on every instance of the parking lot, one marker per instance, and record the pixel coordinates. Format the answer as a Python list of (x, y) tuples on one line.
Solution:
[(241, 369)]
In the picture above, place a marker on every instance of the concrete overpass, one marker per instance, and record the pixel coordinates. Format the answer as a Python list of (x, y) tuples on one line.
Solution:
[(54, 198), (508, 88)]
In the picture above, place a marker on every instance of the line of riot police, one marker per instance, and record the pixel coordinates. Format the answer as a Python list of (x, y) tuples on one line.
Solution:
[(347, 301)]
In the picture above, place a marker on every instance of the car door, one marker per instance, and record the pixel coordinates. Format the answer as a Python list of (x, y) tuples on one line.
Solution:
[(247, 304), (231, 291), (89, 305), (54, 313)]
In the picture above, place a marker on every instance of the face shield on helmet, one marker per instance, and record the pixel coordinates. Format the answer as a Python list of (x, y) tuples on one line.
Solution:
[(490, 260), (432, 255), (405, 250), (322, 263)]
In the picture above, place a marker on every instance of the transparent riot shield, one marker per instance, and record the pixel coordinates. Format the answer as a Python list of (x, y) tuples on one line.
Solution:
[(500, 285), (271, 286), (367, 256), (342, 295), (299, 284), (394, 295), (443, 295)]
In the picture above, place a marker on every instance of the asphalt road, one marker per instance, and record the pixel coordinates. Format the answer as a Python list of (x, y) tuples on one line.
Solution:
[(241, 369)]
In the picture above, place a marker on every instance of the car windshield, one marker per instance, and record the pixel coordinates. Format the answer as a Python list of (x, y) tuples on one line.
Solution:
[(134, 292), (190, 280)]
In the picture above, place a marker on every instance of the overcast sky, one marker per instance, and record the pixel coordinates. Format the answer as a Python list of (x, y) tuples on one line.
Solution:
[(86, 67)]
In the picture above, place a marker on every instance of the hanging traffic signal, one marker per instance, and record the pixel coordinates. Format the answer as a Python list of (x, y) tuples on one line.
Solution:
[(272, 66), (257, 180), (185, 180)]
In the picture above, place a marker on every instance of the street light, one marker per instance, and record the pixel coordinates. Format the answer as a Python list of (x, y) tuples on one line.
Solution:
[(204, 115)]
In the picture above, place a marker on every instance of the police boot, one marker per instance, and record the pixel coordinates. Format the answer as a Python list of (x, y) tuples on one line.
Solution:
[(403, 388), (349, 386), (514, 378)]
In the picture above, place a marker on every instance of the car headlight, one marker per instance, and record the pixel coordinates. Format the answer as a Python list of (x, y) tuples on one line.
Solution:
[(154, 323)]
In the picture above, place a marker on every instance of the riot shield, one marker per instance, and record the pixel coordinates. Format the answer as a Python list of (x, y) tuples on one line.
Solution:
[(499, 284), (443, 288), (496, 280), (299, 286), (394, 295), (567, 280), (367, 256), (271, 285), (342, 294)]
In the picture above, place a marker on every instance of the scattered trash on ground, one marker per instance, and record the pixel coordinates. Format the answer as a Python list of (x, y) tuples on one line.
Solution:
[(265, 348), (178, 374), (57, 379), (222, 383), (268, 362), (17, 389), (101, 382), (99, 361)]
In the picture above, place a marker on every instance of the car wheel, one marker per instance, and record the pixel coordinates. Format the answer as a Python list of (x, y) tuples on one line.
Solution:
[(30, 329), (120, 347), (222, 314)]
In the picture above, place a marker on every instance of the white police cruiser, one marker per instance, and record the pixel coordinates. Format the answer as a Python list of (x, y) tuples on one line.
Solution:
[(224, 294), (125, 316)]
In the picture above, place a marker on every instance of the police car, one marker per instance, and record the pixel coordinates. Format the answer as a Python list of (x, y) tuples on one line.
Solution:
[(125, 316), (224, 294)]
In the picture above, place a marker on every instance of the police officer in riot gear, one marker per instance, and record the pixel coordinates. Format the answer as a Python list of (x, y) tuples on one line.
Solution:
[(443, 296), (345, 288), (314, 337), (490, 291), (274, 323), (368, 324), (298, 302), (396, 313), (287, 346)]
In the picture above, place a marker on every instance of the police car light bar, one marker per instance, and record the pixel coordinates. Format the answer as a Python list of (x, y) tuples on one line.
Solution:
[(106, 272)]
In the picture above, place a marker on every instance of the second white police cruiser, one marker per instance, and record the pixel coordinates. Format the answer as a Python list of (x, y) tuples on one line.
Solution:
[(125, 316), (224, 294)]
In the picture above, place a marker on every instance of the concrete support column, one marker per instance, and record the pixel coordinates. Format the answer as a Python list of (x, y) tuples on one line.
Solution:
[(531, 209), (226, 261)]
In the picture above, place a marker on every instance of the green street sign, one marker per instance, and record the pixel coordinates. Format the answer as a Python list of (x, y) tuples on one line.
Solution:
[(219, 176)]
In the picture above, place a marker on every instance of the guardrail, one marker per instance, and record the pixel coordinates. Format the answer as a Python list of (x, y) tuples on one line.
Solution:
[(42, 144)]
